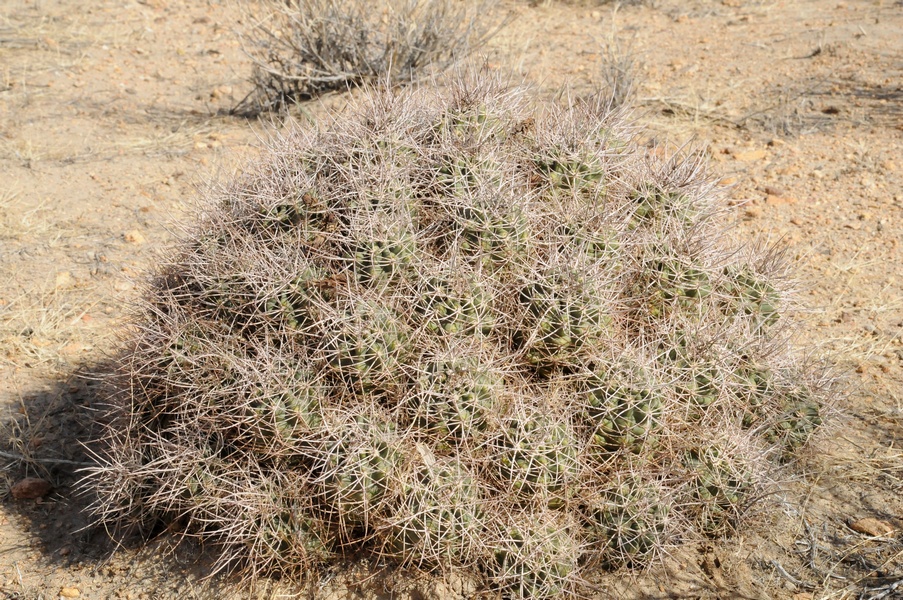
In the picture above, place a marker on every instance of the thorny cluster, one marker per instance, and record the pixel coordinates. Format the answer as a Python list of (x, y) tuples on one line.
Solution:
[(458, 328)]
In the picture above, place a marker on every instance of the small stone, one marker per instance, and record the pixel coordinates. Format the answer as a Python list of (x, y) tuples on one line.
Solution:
[(31, 488), (74, 348), (63, 279), (753, 212), (802, 596), (123, 286), (134, 237), (773, 200), (221, 91), (774, 191), (750, 155), (796, 221), (70, 592), (872, 527)]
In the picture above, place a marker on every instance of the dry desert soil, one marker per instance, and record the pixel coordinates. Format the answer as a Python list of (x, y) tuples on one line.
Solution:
[(113, 112)]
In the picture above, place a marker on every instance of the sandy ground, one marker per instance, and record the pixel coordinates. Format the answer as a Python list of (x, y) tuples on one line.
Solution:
[(111, 113)]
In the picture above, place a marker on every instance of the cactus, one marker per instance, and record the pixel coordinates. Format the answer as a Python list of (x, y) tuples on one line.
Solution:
[(457, 305), (289, 414), (751, 295), (290, 538), (384, 257), (564, 313), (754, 386), (358, 470), (719, 486), (623, 408), (494, 234), (567, 171), (536, 556), (367, 349), (699, 384), (454, 398), (538, 457), (798, 420), (600, 244), (670, 285), (437, 516), (456, 328), (652, 204), (629, 521)]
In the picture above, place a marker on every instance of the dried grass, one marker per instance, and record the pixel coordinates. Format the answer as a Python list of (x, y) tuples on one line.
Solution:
[(302, 49)]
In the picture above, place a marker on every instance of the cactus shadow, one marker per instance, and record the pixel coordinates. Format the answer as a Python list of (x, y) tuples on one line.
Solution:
[(48, 433)]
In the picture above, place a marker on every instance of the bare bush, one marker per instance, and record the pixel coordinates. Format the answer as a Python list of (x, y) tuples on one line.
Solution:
[(619, 70), (303, 48)]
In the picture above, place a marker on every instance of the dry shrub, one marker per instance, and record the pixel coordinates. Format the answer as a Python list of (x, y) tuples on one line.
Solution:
[(458, 328), (303, 48)]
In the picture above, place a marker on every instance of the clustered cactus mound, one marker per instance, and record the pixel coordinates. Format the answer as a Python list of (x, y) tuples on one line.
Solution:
[(457, 329)]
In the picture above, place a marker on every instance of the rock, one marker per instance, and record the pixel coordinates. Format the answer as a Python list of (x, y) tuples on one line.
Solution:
[(31, 488), (872, 527), (753, 212), (750, 155), (74, 348), (63, 279), (134, 237), (772, 200), (70, 592)]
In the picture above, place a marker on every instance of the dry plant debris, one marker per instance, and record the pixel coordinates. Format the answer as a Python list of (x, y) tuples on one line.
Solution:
[(301, 49)]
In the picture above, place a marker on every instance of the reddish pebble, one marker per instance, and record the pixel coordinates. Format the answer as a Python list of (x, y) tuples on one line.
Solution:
[(31, 488)]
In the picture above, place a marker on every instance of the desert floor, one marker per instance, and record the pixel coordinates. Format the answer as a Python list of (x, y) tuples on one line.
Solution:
[(113, 113)]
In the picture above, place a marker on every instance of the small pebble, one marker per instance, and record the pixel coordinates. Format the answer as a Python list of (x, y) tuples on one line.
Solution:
[(64, 279), (753, 212), (750, 155), (31, 488), (873, 527), (134, 237)]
